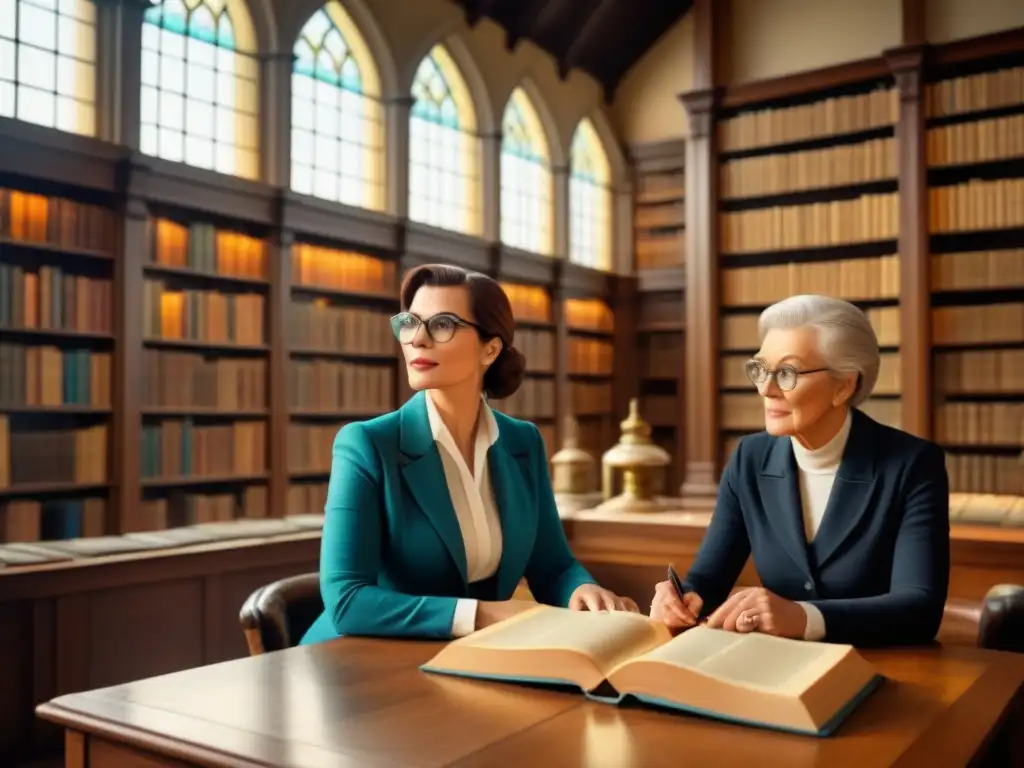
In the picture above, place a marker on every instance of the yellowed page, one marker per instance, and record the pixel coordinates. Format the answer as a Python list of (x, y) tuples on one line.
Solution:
[(755, 660), (608, 638)]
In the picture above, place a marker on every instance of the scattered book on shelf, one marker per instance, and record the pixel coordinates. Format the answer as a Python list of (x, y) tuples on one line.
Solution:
[(754, 679)]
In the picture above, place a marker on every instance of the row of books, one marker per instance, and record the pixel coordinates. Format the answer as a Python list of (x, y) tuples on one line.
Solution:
[(976, 205), (980, 371), (315, 325), (978, 270), (50, 298), (980, 424), (590, 357), (52, 377), (184, 380), (182, 508), (975, 93), (984, 324), (984, 473), (739, 332), (659, 355), (827, 117), (985, 141), (53, 456), (535, 399), (202, 247), (200, 315), (326, 386), (180, 448), (55, 221), (867, 218), (868, 279), (842, 165)]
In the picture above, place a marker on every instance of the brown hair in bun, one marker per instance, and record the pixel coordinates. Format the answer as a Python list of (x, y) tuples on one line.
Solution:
[(492, 311)]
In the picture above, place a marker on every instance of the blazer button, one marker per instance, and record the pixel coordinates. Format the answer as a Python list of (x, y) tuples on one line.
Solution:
[(808, 586)]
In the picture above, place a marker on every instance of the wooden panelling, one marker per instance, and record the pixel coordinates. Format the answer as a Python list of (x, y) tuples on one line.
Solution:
[(89, 624)]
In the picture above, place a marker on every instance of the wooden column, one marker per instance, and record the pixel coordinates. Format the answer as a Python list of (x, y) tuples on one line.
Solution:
[(701, 298), (915, 269), (702, 292), (563, 398), (279, 306), (623, 302), (119, 70), (276, 117), (126, 439)]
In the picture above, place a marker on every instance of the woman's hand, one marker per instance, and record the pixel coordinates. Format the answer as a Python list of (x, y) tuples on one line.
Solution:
[(591, 597), (758, 610), (675, 613)]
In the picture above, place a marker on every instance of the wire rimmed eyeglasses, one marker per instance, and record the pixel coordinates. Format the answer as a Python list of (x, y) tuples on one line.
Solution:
[(786, 376), (440, 327)]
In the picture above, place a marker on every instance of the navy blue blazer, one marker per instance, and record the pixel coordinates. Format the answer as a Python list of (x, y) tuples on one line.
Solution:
[(878, 568)]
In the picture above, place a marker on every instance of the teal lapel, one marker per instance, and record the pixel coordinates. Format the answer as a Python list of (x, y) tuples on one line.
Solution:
[(424, 474), (509, 467)]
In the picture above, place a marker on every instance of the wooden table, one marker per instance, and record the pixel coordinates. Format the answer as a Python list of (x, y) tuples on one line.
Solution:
[(363, 702)]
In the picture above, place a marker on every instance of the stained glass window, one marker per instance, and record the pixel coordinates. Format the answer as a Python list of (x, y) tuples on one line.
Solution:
[(590, 200), (337, 127), (200, 85), (526, 196), (48, 63), (444, 150)]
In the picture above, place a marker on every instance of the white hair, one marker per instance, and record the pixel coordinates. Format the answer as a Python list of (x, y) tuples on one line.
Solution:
[(846, 341)]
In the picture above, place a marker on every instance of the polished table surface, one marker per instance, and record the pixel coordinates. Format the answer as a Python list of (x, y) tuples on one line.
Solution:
[(363, 702)]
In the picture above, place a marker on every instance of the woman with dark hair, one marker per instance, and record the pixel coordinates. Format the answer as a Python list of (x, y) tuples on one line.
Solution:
[(436, 511)]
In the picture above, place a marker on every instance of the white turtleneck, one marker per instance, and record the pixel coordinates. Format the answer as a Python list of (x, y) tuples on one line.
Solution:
[(818, 469)]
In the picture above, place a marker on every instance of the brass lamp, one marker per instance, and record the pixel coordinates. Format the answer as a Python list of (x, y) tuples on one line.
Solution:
[(572, 471), (642, 464)]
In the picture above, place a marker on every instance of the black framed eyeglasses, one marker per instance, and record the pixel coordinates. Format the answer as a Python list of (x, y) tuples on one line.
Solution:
[(786, 376), (440, 327)]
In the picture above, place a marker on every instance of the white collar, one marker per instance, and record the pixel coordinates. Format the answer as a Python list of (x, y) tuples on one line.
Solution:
[(827, 458), (487, 425)]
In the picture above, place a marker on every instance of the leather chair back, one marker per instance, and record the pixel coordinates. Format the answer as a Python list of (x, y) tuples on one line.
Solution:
[(277, 615)]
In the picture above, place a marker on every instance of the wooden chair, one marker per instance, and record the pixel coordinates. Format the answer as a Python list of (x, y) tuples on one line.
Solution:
[(277, 615)]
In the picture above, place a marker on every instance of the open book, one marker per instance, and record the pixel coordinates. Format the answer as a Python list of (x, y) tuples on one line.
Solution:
[(756, 679)]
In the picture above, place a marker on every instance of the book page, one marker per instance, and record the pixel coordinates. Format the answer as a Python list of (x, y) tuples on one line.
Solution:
[(755, 660), (606, 637)]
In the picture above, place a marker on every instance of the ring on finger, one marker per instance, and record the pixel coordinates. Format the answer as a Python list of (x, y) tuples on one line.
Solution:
[(748, 619)]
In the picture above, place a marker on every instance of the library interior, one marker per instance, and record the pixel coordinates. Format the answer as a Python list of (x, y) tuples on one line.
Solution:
[(196, 283)]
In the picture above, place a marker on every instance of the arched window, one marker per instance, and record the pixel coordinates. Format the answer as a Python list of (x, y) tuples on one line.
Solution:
[(590, 200), (337, 127), (200, 85), (48, 63), (444, 149), (526, 199)]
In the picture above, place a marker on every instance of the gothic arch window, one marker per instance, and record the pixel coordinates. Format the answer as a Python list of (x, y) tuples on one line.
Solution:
[(48, 63), (200, 85), (444, 148), (590, 200), (337, 119), (526, 194)]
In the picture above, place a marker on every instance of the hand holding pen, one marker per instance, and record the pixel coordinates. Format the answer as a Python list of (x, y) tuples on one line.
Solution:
[(673, 605)]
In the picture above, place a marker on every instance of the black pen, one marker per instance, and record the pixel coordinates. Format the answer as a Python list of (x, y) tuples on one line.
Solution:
[(677, 584)]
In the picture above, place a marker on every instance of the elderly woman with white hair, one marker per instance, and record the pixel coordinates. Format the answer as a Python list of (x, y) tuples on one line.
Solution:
[(847, 519)]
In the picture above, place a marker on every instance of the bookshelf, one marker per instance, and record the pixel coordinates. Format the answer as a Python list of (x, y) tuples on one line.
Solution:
[(660, 228), (342, 363), (537, 338), (589, 371), (57, 256), (204, 403), (808, 203), (975, 159)]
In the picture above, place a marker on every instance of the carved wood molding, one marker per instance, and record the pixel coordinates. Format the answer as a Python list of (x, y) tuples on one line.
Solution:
[(701, 107), (907, 65)]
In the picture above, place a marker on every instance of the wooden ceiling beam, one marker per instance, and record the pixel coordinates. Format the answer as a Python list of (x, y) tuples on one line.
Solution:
[(522, 24), (592, 26)]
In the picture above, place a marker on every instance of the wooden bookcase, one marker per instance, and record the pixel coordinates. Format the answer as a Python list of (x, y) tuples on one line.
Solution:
[(341, 357), (809, 203), (975, 157), (660, 226), (57, 254), (203, 399), (590, 371), (537, 338), (186, 345)]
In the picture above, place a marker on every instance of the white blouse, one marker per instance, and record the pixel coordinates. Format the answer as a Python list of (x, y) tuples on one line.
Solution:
[(475, 507)]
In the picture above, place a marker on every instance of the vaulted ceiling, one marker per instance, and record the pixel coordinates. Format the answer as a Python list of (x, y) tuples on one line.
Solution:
[(601, 37)]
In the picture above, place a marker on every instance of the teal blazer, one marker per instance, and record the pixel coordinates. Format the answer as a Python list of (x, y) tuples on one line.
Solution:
[(392, 561)]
